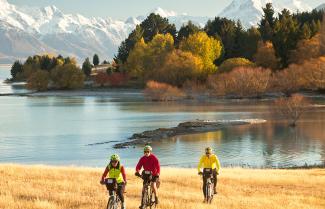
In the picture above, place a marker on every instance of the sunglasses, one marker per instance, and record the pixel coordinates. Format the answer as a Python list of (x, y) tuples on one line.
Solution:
[(208, 153), (114, 161), (146, 152)]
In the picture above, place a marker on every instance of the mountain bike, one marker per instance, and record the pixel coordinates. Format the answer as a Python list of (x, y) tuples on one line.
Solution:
[(114, 201), (209, 188), (148, 198)]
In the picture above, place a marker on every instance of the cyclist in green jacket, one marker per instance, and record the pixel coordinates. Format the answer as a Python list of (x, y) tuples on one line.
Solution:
[(115, 170)]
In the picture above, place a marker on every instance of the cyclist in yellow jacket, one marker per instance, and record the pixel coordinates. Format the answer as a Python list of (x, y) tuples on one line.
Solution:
[(209, 160)]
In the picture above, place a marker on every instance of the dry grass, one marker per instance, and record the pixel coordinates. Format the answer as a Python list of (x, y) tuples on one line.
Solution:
[(72, 187)]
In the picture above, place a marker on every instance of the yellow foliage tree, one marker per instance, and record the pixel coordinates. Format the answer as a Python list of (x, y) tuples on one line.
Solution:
[(207, 48), (146, 58), (179, 67), (322, 36), (265, 55), (38, 81)]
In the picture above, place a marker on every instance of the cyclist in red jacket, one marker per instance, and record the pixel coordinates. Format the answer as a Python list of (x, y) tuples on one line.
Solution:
[(150, 162)]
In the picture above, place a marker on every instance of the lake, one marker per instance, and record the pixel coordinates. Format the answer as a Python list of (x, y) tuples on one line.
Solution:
[(58, 130)]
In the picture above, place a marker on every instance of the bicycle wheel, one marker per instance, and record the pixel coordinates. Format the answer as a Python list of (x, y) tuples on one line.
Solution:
[(210, 196), (152, 200), (145, 198), (111, 203)]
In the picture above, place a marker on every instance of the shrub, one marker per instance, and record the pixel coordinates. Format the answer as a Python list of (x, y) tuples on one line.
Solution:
[(232, 63), (156, 91), (292, 108), (242, 82), (102, 79)]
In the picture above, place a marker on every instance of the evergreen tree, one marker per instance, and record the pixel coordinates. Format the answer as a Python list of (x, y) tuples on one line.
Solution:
[(86, 67), (286, 36), (305, 32), (186, 30), (155, 24), (128, 44), (16, 68), (95, 60), (267, 23)]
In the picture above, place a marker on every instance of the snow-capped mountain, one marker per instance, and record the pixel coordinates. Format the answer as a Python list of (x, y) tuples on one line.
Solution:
[(26, 31), (249, 12), (321, 7)]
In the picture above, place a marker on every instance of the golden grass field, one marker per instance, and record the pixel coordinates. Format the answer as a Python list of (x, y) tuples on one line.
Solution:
[(48, 187)]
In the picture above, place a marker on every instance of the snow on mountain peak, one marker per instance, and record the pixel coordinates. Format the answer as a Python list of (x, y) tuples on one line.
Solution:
[(249, 12), (164, 13)]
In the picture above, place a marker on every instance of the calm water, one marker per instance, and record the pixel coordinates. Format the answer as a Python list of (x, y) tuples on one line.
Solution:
[(57, 130)]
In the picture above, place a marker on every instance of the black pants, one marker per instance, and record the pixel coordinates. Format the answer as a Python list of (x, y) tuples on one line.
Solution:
[(214, 173), (120, 191)]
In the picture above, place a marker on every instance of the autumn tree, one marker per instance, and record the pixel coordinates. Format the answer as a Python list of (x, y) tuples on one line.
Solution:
[(179, 67), (67, 76), (306, 49), (265, 56), (322, 36), (207, 48), (38, 81)]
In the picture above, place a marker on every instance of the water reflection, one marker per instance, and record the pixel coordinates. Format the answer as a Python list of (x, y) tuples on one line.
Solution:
[(57, 130)]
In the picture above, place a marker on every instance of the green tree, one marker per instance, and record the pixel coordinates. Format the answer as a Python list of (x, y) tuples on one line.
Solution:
[(286, 36), (267, 23), (38, 81), (67, 76), (225, 30), (232, 63), (16, 68), (128, 44), (155, 24), (95, 60), (207, 48), (186, 30), (305, 32), (86, 67)]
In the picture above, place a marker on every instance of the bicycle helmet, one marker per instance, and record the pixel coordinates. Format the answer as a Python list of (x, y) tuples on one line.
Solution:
[(208, 150), (147, 148), (115, 157)]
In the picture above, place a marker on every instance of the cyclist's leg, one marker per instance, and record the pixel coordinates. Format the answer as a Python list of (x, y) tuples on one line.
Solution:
[(203, 187), (215, 180), (120, 191), (154, 183)]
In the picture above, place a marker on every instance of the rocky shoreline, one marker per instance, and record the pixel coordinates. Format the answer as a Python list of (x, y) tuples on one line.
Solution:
[(190, 127)]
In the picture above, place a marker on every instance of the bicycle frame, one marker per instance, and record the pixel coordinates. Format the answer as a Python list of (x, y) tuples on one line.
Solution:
[(113, 200), (207, 174), (147, 192)]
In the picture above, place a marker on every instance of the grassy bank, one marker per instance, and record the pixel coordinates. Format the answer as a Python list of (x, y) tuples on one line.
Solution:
[(73, 187)]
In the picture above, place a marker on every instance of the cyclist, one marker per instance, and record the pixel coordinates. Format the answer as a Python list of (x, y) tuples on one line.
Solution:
[(115, 170), (209, 160), (149, 162)]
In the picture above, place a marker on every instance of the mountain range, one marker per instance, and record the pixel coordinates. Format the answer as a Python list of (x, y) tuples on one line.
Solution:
[(27, 31)]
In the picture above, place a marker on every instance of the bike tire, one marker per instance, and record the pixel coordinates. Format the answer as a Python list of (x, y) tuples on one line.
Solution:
[(210, 196), (145, 199), (152, 200), (111, 203)]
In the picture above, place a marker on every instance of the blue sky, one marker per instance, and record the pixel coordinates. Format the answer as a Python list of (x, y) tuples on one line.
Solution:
[(123, 9)]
